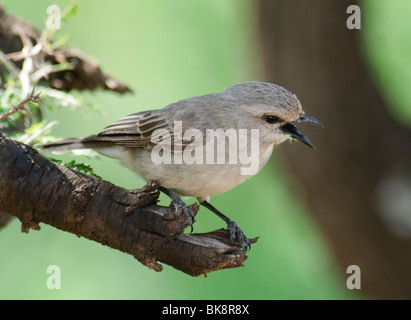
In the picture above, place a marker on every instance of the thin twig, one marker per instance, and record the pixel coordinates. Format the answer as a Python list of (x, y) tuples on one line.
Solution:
[(11, 68), (21, 106), (47, 69)]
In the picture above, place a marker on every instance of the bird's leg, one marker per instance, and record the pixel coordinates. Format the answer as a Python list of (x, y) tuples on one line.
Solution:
[(232, 226), (179, 203)]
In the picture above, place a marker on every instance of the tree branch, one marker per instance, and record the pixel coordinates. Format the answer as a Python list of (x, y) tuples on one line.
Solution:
[(21, 106), (36, 190), (85, 74)]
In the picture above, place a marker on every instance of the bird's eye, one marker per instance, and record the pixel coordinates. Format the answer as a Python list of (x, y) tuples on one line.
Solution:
[(271, 118)]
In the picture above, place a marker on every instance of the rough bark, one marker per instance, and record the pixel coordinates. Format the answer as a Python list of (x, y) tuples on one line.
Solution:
[(36, 190), (307, 47)]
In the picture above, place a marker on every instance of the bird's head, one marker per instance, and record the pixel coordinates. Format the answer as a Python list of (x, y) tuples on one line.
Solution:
[(273, 109)]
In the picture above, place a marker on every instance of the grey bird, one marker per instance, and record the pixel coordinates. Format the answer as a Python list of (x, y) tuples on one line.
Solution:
[(268, 110)]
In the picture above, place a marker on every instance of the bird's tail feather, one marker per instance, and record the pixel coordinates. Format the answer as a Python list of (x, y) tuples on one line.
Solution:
[(65, 145)]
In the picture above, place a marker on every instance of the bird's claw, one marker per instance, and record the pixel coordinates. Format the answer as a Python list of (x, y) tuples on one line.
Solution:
[(178, 204), (236, 232)]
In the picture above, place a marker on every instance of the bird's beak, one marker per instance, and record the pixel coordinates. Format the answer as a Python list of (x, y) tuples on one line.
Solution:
[(291, 129), (307, 118)]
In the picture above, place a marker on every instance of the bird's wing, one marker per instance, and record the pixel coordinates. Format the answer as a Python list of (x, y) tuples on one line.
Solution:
[(144, 130)]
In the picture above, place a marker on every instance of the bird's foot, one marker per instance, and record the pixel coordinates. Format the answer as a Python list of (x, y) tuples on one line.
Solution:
[(178, 204), (236, 232)]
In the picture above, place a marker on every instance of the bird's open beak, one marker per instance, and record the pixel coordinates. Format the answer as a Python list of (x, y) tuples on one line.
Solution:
[(291, 129)]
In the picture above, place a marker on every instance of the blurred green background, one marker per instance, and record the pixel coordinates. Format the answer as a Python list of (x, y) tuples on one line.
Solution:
[(166, 51)]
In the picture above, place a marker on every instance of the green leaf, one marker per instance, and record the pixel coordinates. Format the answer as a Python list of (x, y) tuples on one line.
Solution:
[(80, 167), (70, 11)]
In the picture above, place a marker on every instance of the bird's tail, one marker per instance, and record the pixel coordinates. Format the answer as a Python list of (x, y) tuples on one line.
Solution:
[(91, 142)]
